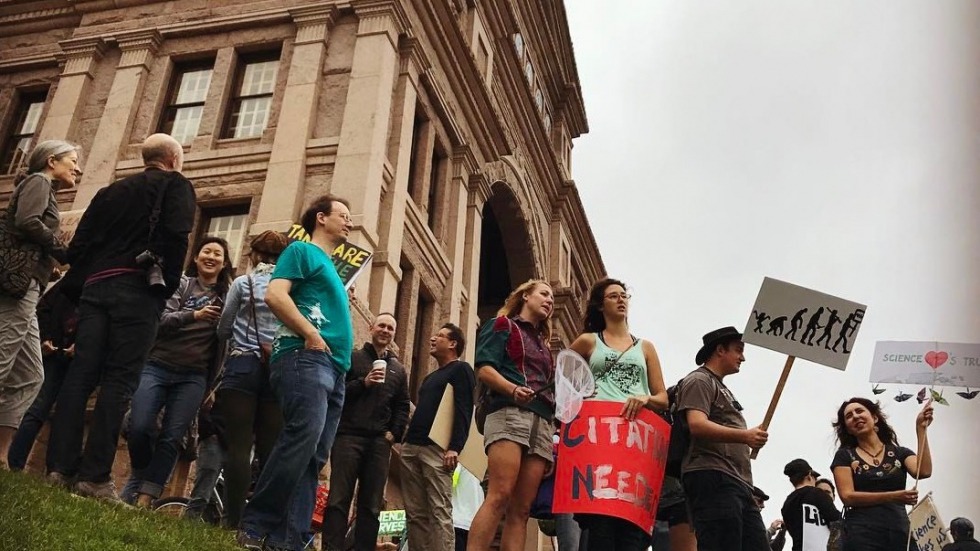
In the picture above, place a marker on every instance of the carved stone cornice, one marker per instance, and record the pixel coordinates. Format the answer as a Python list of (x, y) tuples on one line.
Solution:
[(313, 22), (81, 54), (138, 47), (479, 187), (413, 59), (381, 17)]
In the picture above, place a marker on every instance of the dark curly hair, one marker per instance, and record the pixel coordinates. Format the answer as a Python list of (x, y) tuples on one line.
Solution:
[(885, 432), (594, 321)]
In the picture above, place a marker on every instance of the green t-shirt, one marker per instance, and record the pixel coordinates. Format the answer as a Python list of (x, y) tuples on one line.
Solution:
[(619, 376), (320, 296)]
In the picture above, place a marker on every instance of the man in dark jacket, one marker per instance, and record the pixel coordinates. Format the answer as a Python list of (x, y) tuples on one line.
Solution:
[(962, 531), (119, 307), (375, 415)]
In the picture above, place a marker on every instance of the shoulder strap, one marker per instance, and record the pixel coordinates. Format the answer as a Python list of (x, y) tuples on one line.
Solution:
[(514, 327), (155, 213)]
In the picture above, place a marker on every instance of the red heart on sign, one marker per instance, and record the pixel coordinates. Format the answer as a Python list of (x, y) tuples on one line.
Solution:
[(936, 358)]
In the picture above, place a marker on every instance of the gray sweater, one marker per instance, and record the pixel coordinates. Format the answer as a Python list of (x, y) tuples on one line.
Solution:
[(182, 342)]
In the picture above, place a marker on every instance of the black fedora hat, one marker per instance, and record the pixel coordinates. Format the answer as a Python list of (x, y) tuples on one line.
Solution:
[(713, 339)]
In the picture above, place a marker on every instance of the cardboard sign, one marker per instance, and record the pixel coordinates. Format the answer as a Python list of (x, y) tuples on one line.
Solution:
[(928, 529), (815, 531), (804, 323), (472, 457), (610, 466), (926, 363), (349, 259), (392, 523)]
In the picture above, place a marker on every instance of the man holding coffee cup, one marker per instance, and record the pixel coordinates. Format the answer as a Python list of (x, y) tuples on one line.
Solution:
[(374, 417)]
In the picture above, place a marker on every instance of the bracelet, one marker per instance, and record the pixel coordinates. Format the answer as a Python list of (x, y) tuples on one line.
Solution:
[(514, 393)]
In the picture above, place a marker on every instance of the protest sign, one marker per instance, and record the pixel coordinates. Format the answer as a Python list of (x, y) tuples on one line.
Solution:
[(349, 259), (926, 363), (391, 523), (610, 466), (472, 457), (804, 323), (928, 529)]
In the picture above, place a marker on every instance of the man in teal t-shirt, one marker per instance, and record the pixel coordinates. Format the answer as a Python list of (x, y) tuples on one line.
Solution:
[(310, 357)]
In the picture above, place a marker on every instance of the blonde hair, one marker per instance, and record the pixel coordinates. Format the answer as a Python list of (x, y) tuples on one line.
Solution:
[(515, 301)]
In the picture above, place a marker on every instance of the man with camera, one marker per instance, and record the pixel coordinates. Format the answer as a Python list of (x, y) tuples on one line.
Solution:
[(126, 260)]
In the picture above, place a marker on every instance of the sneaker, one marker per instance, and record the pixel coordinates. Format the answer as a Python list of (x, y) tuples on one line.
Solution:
[(58, 480), (105, 491), (249, 540)]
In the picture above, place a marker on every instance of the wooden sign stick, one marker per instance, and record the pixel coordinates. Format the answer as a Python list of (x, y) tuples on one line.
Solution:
[(775, 398)]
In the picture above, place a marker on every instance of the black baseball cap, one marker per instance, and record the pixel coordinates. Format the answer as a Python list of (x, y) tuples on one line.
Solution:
[(798, 469)]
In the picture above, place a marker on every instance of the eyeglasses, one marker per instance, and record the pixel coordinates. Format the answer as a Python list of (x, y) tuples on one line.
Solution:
[(617, 296)]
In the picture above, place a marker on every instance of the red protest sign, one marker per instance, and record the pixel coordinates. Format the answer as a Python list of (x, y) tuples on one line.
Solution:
[(610, 466)]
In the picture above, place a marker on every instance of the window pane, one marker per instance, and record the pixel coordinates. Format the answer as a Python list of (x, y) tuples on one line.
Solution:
[(186, 122), (32, 118), (232, 229), (193, 86), (529, 72), (260, 78), (250, 118)]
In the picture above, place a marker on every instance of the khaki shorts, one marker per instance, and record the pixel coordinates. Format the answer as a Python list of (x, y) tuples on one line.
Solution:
[(523, 427)]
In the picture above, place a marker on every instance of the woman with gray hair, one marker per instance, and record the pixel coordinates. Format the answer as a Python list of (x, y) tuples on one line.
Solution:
[(29, 248)]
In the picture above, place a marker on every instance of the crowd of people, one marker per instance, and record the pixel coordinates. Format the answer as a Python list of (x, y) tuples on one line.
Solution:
[(266, 366)]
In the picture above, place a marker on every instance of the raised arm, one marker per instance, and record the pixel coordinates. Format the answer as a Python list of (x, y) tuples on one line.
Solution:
[(920, 466)]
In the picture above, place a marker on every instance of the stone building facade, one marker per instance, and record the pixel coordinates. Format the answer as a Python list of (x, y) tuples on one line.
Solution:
[(447, 124)]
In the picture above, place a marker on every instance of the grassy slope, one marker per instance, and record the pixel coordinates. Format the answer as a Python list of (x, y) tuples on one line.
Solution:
[(34, 517)]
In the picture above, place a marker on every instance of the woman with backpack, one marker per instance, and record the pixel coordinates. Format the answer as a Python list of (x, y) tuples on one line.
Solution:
[(181, 368), (245, 406), (626, 369), (513, 360)]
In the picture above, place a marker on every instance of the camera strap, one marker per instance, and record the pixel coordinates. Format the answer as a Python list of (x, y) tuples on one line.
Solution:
[(155, 214)]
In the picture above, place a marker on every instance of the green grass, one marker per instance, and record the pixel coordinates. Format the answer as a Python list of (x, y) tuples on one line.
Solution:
[(35, 517)]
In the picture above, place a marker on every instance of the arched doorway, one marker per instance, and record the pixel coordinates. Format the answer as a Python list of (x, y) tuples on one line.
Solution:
[(506, 250)]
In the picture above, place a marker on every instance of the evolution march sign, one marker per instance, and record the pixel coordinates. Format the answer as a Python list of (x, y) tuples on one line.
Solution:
[(804, 323)]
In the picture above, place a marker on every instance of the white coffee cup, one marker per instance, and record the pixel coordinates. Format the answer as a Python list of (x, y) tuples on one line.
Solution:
[(383, 366)]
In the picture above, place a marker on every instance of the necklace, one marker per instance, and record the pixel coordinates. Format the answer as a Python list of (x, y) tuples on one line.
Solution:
[(874, 456)]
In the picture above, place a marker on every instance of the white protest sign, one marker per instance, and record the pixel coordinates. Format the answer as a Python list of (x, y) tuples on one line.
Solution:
[(926, 363), (815, 531), (804, 323), (928, 529)]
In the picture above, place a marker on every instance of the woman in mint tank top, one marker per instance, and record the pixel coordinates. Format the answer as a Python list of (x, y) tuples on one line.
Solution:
[(627, 370)]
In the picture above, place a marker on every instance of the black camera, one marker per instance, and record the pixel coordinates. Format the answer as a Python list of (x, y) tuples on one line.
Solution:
[(152, 264)]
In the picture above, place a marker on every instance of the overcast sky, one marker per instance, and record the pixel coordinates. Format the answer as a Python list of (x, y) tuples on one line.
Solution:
[(830, 144)]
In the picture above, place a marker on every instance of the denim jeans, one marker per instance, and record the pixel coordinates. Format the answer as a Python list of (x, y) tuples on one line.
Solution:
[(570, 535), (310, 389), (361, 460), (153, 455), (208, 468), (55, 369), (117, 323), (724, 515)]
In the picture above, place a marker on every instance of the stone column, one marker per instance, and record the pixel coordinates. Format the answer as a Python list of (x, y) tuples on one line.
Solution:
[(81, 55), (479, 192), (359, 170), (386, 270), (116, 123), (282, 193), (456, 199)]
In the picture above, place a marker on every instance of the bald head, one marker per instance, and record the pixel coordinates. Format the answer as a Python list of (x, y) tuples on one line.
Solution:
[(163, 152)]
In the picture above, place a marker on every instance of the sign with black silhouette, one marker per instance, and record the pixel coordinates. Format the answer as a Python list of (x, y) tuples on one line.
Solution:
[(926, 363), (804, 323), (349, 259)]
